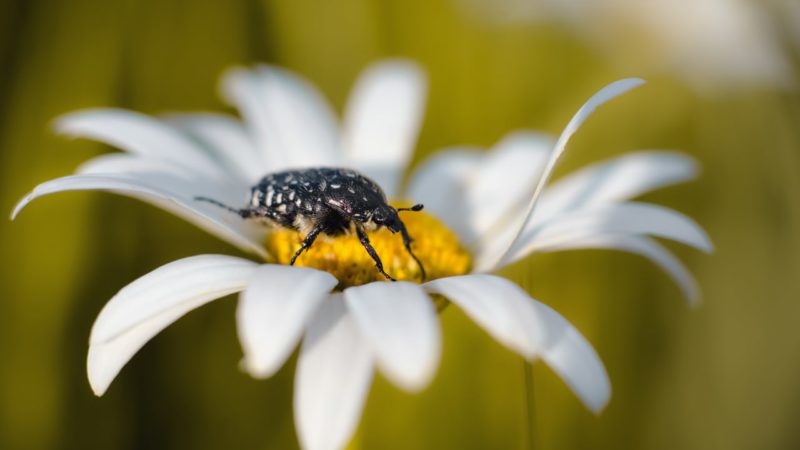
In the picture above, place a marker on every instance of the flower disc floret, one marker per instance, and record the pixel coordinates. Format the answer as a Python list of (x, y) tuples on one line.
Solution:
[(344, 257)]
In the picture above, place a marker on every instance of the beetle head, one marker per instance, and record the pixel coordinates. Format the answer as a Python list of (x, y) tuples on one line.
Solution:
[(385, 215)]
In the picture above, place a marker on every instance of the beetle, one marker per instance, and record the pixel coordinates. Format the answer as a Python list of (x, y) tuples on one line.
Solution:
[(328, 200)]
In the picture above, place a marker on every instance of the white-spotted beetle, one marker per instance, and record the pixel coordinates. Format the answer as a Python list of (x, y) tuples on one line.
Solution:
[(326, 200)]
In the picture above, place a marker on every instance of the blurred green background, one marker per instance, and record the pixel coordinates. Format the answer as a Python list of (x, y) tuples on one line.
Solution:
[(722, 376)]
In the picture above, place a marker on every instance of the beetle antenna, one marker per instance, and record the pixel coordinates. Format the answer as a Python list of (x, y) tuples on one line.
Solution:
[(415, 208), (407, 244), (240, 212)]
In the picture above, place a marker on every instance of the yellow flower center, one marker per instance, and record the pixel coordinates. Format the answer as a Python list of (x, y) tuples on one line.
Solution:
[(345, 258)]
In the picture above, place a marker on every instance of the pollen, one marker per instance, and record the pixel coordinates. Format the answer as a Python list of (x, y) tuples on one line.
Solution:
[(344, 257)]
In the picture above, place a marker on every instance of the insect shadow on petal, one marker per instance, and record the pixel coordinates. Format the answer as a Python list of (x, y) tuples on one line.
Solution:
[(333, 201)]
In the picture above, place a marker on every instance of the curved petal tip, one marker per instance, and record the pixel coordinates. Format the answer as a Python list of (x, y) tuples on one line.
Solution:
[(99, 377), (73, 124), (21, 204)]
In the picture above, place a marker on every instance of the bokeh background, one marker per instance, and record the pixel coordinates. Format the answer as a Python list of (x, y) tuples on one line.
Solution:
[(723, 87)]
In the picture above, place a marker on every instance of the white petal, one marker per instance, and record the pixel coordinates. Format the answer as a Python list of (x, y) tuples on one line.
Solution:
[(574, 359), (639, 245), (273, 312), (332, 380), (137, 133), (148, 305), (629, 218), (607, 93), (221, 223), (128, 164), (481, 196), (506, 179), (382, 120), (400, 323), (486, 253), (615, 180), (530, 328), (166, 176), (439, 184), (498, 306), (226, 139), (290, 120)]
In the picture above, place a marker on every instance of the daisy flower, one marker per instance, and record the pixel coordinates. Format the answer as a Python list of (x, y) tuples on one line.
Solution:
[(486, 210)]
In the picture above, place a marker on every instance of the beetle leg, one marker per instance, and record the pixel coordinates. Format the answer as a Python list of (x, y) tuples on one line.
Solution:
[(362, 236), (407, 244), (309, 239)]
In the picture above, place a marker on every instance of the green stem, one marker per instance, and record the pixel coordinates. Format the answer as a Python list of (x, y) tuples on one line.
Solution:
[(530, 403)]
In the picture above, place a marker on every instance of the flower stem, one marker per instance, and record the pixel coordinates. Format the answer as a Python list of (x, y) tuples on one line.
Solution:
[(530, 403)]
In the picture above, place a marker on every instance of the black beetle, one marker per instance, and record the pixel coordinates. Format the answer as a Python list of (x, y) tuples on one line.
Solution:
[(326, 200)]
